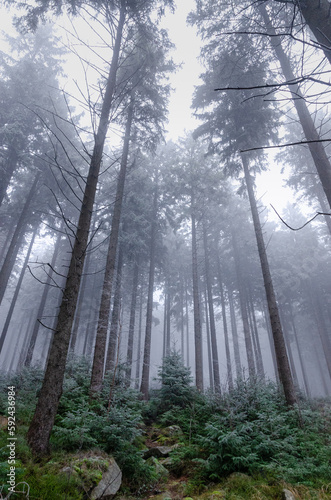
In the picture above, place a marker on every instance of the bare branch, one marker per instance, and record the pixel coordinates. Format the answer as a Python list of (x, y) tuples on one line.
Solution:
[(299, 143), (301, 227)]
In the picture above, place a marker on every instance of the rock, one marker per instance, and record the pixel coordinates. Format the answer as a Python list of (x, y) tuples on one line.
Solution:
[(166, 462), (287, 495), (110, 482), (68, 470), (172, 431), (161, 471), (158, 452)]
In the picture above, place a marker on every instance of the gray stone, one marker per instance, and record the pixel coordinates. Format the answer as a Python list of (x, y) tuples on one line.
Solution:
[(158, 452), (166, 462), (161, 471), (287, 495), (110, 482), (172, 430)]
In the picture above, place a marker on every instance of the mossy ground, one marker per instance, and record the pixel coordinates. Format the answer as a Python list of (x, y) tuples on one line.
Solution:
[(70, 476), (244, 445)]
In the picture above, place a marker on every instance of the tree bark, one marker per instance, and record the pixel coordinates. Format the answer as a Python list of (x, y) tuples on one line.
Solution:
[(187, 327), (196, 305), (136, 385), (134, 294), (316, 148), (216, 369), (144, 387), (243, 307), (235, 339), (17, 238), (50, 393), (225, 324), (101, 337), (276, 327), (210, 363), (115, 317), (317, 16), (318, 314), (11, 163), (34, 334), (271, 342), (17, 290), (255, 335), (168, 323), (80, 301), (299, 349)]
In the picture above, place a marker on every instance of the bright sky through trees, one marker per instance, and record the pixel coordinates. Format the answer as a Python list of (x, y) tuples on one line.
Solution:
[(186, 53)]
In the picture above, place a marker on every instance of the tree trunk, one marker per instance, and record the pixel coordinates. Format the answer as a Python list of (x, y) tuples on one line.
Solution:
[(316, 148), (243, 307), (17, 290), (317, 16), (10, 162), (181, 307), (24, 327), (318, 314), (271, 341), (34, 334), (144, 387), (324, 206), (7, 241), (235, 339), (101, 337), (225, 324), (136, 385), (276, 327), (210, 364), (115, 317), (255, 335), (17, 238), (322, 371), (216, 369), (134, 294), (80, 301), (187, 328), (196, 305), (164, 324), (50, 393), (302, 364), (168, 324)]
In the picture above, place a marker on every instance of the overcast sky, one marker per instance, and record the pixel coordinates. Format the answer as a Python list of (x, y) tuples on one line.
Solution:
[(180, 114), (187, 51)]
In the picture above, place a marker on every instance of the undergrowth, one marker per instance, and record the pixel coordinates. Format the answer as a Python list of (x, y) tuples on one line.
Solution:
[(248, 430)]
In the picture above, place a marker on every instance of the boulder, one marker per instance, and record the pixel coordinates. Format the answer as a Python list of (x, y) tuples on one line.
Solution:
[(110, 482), (287, 495), (172, 431), (159, 468), (158, 452)]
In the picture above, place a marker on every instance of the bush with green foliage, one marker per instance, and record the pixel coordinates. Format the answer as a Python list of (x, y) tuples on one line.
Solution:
[(175, 395), (254, 431), (82, 425), (176, 382)]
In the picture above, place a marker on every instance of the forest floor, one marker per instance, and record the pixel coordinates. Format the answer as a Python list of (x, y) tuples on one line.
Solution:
[(180, 445), (237, 486)]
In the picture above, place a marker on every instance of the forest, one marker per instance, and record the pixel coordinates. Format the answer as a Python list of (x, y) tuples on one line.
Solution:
[(165, 329)]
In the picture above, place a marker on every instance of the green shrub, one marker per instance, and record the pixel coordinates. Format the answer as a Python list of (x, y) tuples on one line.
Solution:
[(253, 431)]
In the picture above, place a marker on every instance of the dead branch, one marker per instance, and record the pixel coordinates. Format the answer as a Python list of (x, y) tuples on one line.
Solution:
[(301, 227), (299, 143)]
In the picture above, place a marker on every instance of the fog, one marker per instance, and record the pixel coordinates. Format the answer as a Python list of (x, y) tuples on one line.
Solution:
[(166, 215)]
